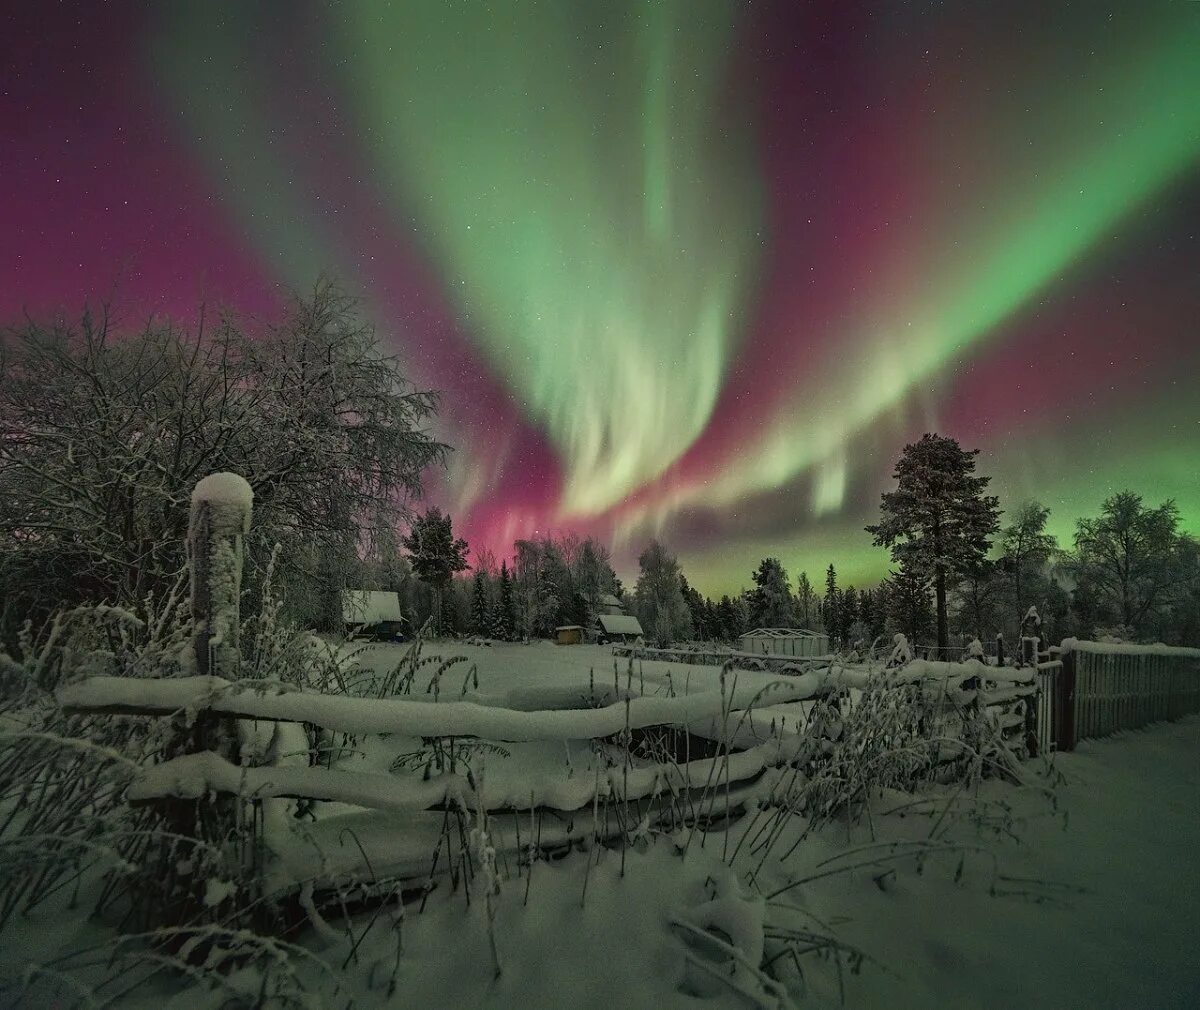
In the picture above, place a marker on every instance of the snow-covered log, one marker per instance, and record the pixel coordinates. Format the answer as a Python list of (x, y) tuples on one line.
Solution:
[(195, 775), (216, 696)]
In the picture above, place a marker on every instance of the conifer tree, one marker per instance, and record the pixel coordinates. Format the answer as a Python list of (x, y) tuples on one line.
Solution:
[(436, 555), (771, 599), (479, 603), (829, 611), (938, 520), (504, 618)]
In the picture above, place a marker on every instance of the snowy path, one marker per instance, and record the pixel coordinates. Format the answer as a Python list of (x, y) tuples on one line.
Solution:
[(1132, 840)]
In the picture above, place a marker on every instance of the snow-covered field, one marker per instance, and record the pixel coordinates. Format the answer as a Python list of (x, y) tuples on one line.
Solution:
[(1076, 890), (1100, 906)]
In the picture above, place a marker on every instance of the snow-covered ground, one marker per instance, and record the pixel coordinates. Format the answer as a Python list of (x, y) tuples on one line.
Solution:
[(1128, 835), (1095, 905), (1086, 902)]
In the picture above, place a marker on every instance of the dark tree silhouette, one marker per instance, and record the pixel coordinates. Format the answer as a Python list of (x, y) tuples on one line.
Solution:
[(771, 603), (436, 555), (938, 521)]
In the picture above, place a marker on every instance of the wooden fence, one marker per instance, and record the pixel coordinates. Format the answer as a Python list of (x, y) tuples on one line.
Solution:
[(243, 743), (717, 656), (1102, 689)]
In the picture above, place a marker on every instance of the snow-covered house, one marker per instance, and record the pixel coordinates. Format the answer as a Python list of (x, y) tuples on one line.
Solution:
[(784, 642), (609, 604), (372, 612), (618, 628)]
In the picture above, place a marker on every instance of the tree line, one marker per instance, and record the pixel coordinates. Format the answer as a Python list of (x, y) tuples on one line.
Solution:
[(102, 439)]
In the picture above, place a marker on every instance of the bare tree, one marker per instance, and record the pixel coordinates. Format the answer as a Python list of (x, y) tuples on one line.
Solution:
[(103, 434)]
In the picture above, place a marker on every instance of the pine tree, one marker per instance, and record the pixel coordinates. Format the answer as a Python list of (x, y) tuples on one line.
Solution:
[(771, 599), (436, 555), (938, 519)]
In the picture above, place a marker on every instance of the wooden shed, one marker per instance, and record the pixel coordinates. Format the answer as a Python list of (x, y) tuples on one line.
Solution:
[(372, 612), (618, 628), (569, 634), (784, 642)]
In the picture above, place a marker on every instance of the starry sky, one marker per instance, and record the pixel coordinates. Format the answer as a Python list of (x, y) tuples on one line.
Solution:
[(692, 269)]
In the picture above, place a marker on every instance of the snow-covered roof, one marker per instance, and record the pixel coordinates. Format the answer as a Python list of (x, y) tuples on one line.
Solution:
[(620, 624), (569, 627), (370, 606), (782, 633), (608, 600)]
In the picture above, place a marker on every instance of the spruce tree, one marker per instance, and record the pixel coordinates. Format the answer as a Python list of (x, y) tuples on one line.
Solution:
[(829, 611), (479, 603), (805, 601), (938, 521), (504, 623)]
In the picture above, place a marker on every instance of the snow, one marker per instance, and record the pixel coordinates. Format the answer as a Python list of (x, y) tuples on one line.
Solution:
[(1117, 649), (224, 489), (194, 775), (424, 718), (1090, 909), (370, 606)]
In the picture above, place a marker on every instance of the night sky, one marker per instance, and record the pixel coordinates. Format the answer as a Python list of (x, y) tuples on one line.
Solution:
[(693, 269)]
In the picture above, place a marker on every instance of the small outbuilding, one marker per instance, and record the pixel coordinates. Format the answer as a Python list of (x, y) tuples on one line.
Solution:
[(618, 628), (569, 634), (372, 613), (784, 642)]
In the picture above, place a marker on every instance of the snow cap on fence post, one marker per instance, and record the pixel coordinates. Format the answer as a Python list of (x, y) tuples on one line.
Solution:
[(220, 518)]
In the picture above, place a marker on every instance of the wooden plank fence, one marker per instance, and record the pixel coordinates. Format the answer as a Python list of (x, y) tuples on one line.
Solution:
[(1103, 689)]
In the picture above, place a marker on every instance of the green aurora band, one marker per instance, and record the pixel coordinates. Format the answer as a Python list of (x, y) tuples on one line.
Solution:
[(598, 221), (585, 179)]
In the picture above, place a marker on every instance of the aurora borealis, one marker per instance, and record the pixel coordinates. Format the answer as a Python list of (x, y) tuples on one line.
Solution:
[(687, 269)]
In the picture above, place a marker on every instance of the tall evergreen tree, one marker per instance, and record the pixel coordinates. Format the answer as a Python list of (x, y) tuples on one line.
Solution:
[(848, 613), (909, 608), (938, 519), (436, 554), (479, 603), (829, 610), (504, 620), (727, 618), (771, 599), (806, 600), (695, 605)]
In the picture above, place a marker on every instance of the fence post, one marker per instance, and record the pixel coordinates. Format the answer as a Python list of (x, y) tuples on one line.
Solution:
[(1031, 718), (1064, 702), (220, 518)]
